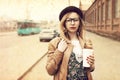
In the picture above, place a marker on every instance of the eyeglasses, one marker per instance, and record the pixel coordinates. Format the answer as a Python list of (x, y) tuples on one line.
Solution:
[(69, 20)]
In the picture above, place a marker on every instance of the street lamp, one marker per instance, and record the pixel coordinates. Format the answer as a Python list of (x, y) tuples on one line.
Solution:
[(80, 5)]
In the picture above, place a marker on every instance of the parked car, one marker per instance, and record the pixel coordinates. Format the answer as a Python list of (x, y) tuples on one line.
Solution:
[(48, 34)]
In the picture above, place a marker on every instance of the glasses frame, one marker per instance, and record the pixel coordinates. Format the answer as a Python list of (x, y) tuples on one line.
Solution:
[(70, 20)]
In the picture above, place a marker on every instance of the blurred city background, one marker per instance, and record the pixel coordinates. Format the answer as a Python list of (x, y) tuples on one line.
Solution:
[(41, 11), (27, 26)]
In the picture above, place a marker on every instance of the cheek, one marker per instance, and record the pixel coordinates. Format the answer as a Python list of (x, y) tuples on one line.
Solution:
[(67, 26), (78, 24)]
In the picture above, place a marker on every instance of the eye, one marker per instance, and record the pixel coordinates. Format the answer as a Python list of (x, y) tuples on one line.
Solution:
[(68, 20)]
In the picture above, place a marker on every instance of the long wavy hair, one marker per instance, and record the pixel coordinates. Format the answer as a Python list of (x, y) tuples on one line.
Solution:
[(64, 31)]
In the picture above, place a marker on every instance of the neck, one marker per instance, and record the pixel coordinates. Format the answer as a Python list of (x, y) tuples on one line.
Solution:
[(73, 36)]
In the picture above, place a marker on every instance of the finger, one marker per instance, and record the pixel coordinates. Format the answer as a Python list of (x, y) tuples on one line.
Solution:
[(64, 41), (91, 60), (91, 57), (90, 63)]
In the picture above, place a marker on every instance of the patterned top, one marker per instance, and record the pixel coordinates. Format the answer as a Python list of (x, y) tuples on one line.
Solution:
[(76, 70)]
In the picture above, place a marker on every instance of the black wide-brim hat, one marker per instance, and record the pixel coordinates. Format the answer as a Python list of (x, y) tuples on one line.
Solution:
[(70, 9)]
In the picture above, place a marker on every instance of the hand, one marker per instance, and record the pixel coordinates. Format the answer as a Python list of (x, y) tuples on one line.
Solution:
[(91, 60), (62, 45)]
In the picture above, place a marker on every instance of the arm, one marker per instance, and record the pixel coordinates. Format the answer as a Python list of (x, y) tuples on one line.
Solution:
[(91, 59), (54, 58)]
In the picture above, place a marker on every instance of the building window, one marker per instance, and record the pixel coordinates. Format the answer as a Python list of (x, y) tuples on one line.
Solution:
[(109, 14), (103, 12), (99, 14), (117, 9)]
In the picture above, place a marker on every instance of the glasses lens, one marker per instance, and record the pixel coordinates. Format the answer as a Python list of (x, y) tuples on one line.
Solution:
[(72, 19)]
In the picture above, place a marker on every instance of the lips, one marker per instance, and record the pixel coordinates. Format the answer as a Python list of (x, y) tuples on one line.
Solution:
[(72, 27)]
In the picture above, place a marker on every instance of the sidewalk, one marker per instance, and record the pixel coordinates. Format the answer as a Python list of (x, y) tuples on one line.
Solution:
[(32, 66), (14, 62), (107, 57)]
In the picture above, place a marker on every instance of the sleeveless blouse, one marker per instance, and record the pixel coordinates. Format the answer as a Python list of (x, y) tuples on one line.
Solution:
[(76, 71)]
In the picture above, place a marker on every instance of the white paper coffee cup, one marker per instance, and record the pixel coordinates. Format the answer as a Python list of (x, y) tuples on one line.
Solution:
[(86, 53)]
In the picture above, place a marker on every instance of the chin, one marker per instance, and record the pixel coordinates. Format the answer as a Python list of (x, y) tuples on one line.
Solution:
[(72, 31)]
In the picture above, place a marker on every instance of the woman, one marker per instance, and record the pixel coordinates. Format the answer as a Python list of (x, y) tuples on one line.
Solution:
[(65, 52)]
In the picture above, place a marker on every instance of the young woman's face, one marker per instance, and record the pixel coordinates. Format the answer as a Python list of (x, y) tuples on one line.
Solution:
[(72, 22)]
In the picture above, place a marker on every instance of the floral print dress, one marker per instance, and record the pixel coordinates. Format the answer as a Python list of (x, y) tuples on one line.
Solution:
[(76, 70)]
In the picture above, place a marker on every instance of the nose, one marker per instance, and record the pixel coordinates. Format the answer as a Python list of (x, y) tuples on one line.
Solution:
[(72, 22)]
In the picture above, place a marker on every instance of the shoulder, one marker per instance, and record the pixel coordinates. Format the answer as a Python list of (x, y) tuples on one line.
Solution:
[(54, 42)]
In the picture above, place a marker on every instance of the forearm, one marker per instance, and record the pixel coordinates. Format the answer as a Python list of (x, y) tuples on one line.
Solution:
[(92, 68), (54, 59)]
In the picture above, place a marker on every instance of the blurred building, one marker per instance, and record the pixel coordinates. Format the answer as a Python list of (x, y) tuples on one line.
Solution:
[(103, 17), (7, 24)]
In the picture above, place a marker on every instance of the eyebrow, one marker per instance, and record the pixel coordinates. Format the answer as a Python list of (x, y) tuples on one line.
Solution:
[(72, 18)]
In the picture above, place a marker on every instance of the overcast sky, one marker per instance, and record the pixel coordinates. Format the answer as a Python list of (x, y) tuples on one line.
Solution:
[(35, 9)]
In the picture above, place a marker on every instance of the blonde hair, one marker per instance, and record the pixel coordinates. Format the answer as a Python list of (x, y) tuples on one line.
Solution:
[(63, 29)]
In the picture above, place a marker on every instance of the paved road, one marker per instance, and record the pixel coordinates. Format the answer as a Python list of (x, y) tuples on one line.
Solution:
[(107, 55), (17, 54), (38, 72)]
